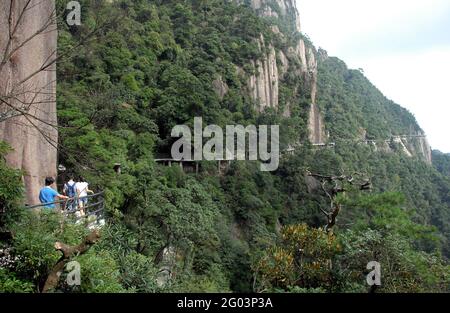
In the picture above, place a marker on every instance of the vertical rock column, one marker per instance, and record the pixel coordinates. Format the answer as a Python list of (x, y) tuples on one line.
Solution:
[(263, 86), (31, 136), (316, 124)]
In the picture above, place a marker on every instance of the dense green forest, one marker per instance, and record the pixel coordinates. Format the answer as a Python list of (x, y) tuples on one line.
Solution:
[(148, 66), (441, 162)]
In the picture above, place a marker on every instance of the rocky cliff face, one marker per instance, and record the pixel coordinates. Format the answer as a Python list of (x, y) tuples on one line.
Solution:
[(301, 58), (426, 150), (416, 146), (279, 9), (31, 135), (269, 71), (263, 85), (413, 145)]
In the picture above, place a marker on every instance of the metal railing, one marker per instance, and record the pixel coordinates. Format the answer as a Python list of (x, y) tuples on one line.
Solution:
[(71, 209)]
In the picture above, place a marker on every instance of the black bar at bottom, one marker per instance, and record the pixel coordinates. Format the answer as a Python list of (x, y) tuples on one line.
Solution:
[(228, 302)]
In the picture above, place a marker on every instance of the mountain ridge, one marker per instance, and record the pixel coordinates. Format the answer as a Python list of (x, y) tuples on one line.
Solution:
[(410, 145), (313, 225)]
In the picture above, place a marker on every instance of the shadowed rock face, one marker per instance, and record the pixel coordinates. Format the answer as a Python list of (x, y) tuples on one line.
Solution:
[(32, 151)]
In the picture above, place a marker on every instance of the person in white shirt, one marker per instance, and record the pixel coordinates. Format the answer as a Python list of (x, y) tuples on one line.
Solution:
[(82, 189)]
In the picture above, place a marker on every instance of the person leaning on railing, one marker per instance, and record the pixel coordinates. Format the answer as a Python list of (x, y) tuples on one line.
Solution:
[(48, 196)]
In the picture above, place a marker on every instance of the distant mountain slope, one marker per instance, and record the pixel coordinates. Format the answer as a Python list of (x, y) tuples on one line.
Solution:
[(355, 109), (441, 161)]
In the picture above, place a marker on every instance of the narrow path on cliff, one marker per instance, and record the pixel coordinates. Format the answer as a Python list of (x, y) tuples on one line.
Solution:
[(94, 212), (371, 140)]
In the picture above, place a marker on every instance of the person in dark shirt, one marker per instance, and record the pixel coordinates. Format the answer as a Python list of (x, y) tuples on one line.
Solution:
[(70, 191)]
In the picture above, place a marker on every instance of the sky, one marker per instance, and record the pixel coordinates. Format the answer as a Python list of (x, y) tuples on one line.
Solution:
[(403, 46)]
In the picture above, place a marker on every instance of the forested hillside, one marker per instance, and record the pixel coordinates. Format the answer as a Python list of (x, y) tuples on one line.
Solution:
[(441, 162), (149, 65)]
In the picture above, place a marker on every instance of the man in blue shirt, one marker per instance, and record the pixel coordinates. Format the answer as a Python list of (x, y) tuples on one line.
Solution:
[(48, 195)]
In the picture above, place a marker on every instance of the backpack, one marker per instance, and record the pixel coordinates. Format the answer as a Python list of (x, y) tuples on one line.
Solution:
[(70, 190)]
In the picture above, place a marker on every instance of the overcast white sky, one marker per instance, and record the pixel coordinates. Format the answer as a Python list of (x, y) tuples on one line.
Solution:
[(402, 45)]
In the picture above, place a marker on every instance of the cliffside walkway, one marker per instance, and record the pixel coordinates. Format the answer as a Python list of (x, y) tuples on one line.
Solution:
[(191, 166), (367, 140), (94, 211)]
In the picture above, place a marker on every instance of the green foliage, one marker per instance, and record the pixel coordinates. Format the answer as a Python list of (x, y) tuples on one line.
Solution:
[(424, 189), (149, 67), (35, 234), (100, 273), (11, 188), (302, 259), (441, 162), (10, 284), (213, 281), (352, 104), (403, 268), (138, 273)]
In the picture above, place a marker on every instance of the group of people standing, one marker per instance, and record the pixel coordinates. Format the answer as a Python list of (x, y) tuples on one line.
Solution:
[(76, 194)]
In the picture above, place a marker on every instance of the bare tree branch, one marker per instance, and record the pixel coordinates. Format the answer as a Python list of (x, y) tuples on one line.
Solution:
[(336, 187)]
